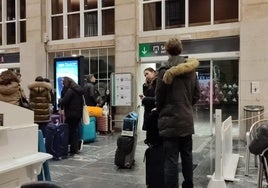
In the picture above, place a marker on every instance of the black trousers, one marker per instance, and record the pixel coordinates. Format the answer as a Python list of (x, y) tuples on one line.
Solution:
[(74, 135), (173, 147), (42, 127)]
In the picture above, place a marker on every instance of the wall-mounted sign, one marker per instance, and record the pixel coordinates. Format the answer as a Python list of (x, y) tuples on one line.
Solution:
[(121, 89), (152, 49)]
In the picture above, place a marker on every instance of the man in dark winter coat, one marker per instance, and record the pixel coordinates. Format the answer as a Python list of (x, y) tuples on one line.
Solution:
[(72, 104), (92, 95), (177, 90)]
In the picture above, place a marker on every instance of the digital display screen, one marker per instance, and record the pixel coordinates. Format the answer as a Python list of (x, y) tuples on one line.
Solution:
[(65, 67)]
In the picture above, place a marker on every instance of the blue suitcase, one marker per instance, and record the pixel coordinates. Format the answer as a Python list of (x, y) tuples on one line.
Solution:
[(88, 132), (57, 140), (130, 123)]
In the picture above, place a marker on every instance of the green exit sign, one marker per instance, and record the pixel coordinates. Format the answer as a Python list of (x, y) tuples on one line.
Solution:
[(152, 49)]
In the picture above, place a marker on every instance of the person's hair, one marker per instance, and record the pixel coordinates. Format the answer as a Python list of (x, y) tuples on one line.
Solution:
[(89, 77), (68, 82), (8, 76), (173, 46), (150, 69), (39, 79), (46, 80)]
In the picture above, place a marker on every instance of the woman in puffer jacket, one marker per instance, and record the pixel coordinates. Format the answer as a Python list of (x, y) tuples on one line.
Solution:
[(40, 102), (10, 87)]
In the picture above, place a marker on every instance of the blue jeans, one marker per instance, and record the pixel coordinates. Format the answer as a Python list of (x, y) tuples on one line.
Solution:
[(172, 148)]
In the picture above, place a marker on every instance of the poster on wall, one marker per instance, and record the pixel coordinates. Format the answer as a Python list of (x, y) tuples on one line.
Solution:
[(67, 67), (121, 89)]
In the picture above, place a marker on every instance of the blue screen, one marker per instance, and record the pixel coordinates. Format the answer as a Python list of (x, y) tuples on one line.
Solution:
[(67, 68)]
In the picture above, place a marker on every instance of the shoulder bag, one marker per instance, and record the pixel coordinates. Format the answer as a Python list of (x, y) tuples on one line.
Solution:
[(85, 115)]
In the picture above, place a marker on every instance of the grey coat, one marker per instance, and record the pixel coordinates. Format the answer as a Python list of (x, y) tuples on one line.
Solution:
[(177, 91)]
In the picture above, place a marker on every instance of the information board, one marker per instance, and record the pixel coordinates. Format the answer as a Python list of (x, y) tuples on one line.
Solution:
[(121, 89)]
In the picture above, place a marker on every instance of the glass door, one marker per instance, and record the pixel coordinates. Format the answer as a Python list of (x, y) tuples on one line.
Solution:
[(225, 90), (219, 91)]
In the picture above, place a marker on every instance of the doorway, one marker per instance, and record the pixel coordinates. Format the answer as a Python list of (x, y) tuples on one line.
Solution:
[(219, 90)]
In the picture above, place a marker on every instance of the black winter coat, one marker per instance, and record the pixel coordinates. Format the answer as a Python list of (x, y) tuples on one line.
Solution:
[(92, 95), (260, 141), (72, 102), (177, 90), (148, 102)]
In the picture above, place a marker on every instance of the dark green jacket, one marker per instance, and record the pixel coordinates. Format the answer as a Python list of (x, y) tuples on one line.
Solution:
[(177, 90)]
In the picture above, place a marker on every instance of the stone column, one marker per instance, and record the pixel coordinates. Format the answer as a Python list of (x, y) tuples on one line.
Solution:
[(32, 53), (126, 42), (253, 55)]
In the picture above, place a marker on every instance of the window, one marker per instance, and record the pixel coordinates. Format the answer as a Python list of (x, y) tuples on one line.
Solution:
[(12, 22), (81, 18), (168, 14), (225, 11), (100, 62), (152, 16), (22, 21), (57, 28), (175, 13), (91, 18), (199, 12), (107, 21), (73, 18), (73, 26)]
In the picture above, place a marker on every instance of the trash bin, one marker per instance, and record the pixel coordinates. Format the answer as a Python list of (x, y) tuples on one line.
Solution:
[(252, 113)]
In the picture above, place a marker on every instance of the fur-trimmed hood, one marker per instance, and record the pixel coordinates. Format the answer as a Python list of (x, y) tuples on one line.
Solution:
[(40, 86), (10, 88), (182, 68)]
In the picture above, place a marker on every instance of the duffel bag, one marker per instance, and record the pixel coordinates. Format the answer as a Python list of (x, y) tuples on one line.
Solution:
[(94, 111)]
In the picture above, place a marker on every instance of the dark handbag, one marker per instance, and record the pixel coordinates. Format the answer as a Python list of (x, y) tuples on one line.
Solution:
[(23, 102), (152, 133)]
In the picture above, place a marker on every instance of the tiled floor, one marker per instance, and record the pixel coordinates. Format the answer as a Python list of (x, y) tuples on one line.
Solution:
[(94, 166)]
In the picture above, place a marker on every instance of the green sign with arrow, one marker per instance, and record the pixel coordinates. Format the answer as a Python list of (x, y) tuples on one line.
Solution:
[(151, 49)]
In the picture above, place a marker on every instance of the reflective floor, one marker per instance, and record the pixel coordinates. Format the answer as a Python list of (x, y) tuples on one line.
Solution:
[(94, 166)]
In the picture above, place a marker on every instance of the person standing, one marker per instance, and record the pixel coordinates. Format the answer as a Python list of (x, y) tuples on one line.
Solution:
[(40, 100), (10, 89), (148, 101), (177, 90), (72, 104), (92, 95)]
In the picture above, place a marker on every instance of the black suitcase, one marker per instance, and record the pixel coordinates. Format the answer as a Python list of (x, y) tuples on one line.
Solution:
[(125, 152), (57, 140), (154, 166), (152, 132)]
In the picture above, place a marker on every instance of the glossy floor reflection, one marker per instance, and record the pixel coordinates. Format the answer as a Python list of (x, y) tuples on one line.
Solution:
[(94, 166)]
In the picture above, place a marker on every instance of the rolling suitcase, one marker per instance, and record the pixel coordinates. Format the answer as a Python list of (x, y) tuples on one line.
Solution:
[(154, 166), (88, 132), (102, 124), (152, 132), (57, 140), (125, 152), (130, 123)]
